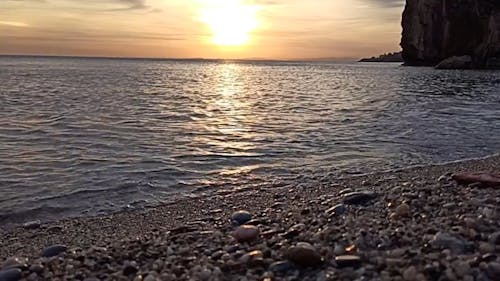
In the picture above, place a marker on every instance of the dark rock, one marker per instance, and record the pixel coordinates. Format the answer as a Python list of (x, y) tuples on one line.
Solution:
[(348, 261), (482, 180), (294, 231), (12, 274), (304, 254), (241, 217), (36, 268), (32, 224), (455, 62), (434, 30), (54, 229), (20, 263), (336, 210), (280, 266), (53, 250), (495, 238), (246, 233), (130, 269), (359, 197), (447, 241), (493, 270)]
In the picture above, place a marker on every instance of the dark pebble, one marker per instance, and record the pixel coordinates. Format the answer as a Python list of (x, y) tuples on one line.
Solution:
[(294, 231), (53, 251), (129, 270), (32, 224), (54, 229), (241, 217), (36, 268), (348, 261), (356, 198), (12, 274), (20, 263), (336, 210), (280, 266), (304, 254), (495, 238)]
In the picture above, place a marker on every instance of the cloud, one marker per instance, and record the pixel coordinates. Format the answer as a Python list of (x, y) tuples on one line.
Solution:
[(125, 4), (14, 23), (388, 3), (132, 5)]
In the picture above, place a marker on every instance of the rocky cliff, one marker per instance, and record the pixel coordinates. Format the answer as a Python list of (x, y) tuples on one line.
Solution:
[(434, 30)]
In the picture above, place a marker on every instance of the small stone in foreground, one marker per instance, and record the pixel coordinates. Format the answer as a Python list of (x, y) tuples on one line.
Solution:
[(359, 197), (15, 262), (348, 261), (445, 240), (280, 266), (304, 254), (336, 210), (495, 238), (402, 210), (241, 217), (130, 269), (246, 233), (53, 251), (12, 274), (32, 224)]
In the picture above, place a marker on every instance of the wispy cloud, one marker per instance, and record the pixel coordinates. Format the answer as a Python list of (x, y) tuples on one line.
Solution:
[(131, 5), (388, 3), (125, 4), (14, 23)]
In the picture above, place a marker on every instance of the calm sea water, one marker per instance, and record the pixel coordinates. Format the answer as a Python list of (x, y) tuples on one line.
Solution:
[(90, 136)]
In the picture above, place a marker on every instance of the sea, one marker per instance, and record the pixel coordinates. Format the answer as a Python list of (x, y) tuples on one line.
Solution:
[(94, 136)]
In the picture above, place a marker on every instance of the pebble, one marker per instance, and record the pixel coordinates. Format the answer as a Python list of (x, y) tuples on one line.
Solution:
[(336, 210), (447, 241), (495, 238), (32, 224), (241, 217), (402, 210), (358, 198), (36, 268), (493, 270), (54, 250), (280, 266), (410, 273), (485, 248), (461, 268), (15, 262), (130, 269), (294, 230), (348, 261), (246, 233), (339, 250), (304, 254), (12, 274)]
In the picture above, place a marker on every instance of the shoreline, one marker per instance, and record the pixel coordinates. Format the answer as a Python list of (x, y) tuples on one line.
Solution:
[(435, 206)]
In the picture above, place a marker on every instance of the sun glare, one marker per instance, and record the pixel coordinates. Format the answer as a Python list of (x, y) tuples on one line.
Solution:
[(231, 21)]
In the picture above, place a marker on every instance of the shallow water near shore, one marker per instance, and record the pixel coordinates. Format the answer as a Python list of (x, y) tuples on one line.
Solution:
[(94, 136)]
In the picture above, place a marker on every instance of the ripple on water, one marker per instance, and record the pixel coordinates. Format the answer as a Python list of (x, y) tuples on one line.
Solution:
[(91, 136)]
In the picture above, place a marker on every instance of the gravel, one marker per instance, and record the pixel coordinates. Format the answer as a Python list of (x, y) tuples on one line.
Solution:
[(410, 224)]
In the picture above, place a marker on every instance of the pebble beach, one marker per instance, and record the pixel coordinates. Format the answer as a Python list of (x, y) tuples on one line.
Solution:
[(412, 224)]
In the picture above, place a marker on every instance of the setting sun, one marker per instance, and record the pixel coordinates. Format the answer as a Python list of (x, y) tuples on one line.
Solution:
[(231, 21)]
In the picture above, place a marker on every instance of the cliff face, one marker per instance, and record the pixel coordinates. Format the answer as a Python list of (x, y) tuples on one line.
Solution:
[(434, 30)]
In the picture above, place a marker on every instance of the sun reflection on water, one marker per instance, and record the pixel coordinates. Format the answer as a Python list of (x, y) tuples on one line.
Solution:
[(227, 119)]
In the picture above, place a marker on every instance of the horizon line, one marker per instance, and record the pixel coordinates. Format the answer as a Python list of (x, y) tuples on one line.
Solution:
[(319, 59)]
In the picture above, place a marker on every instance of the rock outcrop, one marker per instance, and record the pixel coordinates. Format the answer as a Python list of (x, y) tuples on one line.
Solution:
[(434, 30)]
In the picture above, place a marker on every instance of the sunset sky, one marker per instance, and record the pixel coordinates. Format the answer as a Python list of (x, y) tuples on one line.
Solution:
[(270, 29)]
